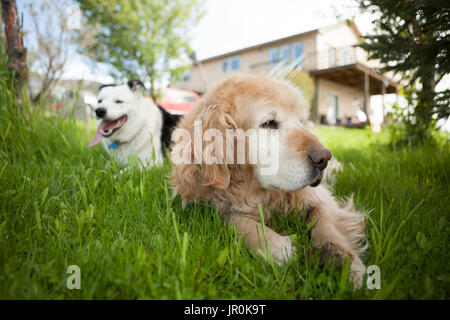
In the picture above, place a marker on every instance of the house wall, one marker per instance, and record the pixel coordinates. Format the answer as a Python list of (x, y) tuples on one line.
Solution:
[(343, 38), (316, 46), (340, 38), (347, 96), (255, 61), (309, 47), (336, 36)]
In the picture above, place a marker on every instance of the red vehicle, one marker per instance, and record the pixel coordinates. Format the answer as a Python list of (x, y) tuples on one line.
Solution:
[(177, 101)]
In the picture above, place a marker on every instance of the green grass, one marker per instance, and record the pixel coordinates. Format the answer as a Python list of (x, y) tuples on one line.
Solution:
[(61, 205)]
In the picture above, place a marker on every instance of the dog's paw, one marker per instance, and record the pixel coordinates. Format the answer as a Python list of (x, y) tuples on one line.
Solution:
[(356, 274), (282, 249)]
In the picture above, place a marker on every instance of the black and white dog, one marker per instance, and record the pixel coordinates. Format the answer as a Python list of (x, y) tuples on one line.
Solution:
[(130, 124)]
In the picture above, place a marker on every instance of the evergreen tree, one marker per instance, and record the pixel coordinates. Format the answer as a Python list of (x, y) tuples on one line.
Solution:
[(413, 38)]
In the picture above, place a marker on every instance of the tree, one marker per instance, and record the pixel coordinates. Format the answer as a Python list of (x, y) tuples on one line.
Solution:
[(14, 42), (53, 43), (2, 30), (146, 39), (413, 39), (305, 82)]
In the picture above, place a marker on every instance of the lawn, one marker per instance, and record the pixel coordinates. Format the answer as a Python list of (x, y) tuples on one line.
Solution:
[(63, 204)]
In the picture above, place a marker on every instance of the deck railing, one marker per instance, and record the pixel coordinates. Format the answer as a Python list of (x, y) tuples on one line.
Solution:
[(317, 60), (336, 57)]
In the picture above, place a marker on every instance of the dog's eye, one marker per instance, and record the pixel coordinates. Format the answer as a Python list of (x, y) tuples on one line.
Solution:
[(99, 101), (119, 101), (271, 124)]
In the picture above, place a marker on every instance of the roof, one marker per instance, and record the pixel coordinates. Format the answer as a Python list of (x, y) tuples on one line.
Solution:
[(269, 43)]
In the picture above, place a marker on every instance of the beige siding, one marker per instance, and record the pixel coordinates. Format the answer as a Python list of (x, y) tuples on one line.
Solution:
[(336, 37), (256, 61), (325, 48), (309, 44), (343, 39), (347, 97)]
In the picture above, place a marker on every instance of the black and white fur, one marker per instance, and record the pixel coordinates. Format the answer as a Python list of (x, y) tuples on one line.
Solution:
[(146, 130)]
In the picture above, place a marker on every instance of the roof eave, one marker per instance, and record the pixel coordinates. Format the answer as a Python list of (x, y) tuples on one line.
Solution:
[(257, 46)]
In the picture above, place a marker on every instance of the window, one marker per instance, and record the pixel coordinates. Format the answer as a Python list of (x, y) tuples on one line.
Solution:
[(186, 75), (180, 97), (225, 66), (347, 57), (331, 57), (274, 54), (285, 52), (231, 64), (333, 110), (235, 64), (189, 98), (297, 49)]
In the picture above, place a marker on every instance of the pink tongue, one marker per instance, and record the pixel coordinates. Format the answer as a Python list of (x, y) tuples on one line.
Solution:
[(98, 136), (104, 125)]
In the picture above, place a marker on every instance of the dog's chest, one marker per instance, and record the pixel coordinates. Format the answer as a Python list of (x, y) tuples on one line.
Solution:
[(147, 150)]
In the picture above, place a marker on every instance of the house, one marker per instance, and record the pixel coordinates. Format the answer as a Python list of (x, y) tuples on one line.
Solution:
[(343, 77)]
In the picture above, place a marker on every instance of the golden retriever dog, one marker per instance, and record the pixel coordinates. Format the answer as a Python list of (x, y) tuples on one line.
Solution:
[(244, 103)]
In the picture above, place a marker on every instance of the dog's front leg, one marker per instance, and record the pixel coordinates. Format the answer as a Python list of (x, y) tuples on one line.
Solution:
[(281, 247), (334, 245)]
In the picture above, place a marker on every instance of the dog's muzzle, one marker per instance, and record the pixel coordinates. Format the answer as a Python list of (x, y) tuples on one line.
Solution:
[(317, 180), (318, 158), (107, 128), (100, 112)]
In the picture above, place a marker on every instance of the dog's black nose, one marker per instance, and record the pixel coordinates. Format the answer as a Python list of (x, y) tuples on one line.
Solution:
[(100, 112), (319, 158)]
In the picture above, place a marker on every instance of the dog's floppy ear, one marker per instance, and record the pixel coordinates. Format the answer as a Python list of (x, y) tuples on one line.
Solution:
[(214, 168), (135, 85)]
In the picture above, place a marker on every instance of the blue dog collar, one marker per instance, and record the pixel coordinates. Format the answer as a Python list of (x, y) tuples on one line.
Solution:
[(113, 145)]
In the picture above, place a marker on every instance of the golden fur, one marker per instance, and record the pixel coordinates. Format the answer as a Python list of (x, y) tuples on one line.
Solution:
[(236, 190)]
